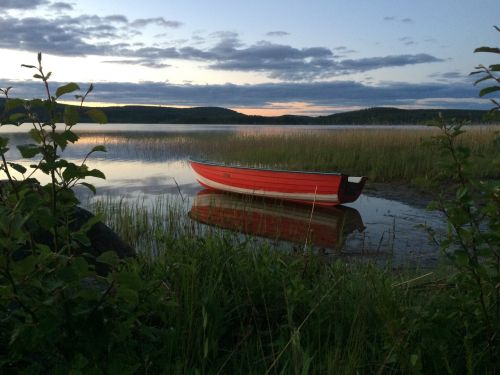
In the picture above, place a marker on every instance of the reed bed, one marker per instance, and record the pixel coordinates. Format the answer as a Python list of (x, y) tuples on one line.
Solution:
[(396, 154), (237, 308), (146, 224)]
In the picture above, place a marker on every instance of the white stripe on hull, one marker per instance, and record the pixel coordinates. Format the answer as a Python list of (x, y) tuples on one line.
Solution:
[(312, 197)]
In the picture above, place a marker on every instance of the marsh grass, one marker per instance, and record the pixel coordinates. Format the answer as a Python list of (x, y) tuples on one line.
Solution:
[(146, 223), (240, 308), (396, 154)]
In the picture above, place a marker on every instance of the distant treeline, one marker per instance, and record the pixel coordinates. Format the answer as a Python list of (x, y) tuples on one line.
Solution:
[(217, 115)]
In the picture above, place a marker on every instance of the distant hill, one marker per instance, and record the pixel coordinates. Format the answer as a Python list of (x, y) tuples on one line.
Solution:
[(396, 116), (217, 115)]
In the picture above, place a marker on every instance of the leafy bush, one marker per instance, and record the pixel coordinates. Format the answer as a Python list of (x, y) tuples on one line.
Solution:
[(57, 313), (471, 207)]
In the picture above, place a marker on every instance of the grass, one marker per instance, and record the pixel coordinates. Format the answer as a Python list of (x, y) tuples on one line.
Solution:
[(240, 308), (237, 308), (384, 155)]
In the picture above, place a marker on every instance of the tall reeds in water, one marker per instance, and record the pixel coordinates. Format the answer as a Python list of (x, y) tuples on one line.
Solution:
[(240, 308), (395, 154)]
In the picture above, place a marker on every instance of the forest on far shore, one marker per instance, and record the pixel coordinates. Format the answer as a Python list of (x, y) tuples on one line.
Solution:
[(138, 114)]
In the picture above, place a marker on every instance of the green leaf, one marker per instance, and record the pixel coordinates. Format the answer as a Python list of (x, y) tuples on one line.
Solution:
[(29, 151), (72, 171), (28, 66), (89, 186), (66, 89), (96, 173), (4, 141), (99, 148), (485, 78), (60, 140), (37, 76), (97, 116), (461, 192), (70, 136), (17, 167), (71, 116), (495, 68), (489, 90), (36, 135), (6, 90), (487, 49), (413, 359)]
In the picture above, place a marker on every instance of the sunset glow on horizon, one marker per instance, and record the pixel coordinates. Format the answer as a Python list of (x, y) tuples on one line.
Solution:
[(354, 55)]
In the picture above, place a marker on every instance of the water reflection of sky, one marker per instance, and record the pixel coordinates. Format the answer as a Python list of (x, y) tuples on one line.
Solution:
[(189, 128), (133, 172)]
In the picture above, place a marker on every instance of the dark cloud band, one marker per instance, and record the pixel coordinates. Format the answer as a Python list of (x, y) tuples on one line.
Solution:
[(331, 94), (21, 4)]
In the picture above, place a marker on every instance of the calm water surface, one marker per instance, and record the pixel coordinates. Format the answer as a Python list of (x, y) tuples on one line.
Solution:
[(371, 227)]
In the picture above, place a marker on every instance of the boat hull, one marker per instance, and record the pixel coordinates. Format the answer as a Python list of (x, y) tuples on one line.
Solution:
[(324, 227), (325, 189)]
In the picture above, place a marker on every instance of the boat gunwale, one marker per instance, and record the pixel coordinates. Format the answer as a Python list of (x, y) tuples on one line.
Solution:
[(205, 162)]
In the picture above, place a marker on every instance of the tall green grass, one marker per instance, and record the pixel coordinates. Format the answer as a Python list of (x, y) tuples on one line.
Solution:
[(237, 308), (380, 154)]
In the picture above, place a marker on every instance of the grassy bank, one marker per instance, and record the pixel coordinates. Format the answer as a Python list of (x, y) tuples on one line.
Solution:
[(194, 301), (234, 308), (383, 155)]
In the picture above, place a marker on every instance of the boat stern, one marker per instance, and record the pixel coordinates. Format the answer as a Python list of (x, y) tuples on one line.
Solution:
[(351, 188)]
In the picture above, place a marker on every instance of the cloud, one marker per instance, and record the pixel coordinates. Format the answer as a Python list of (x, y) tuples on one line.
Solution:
[(158, 21), (452, 76), (64, 37), (408, 41), (102, 36), (394, 18), (61, 6), (142, 62), (334, 94), (74, 36), (118, 18), (21, 4), (342, 51), (371, 63), (294, 64), (277, 33)]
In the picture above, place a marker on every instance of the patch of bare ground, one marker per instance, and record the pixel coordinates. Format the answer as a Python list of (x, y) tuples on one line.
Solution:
[(399, 191)]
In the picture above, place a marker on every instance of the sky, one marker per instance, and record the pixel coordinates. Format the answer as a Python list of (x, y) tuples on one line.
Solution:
[(269, 57)]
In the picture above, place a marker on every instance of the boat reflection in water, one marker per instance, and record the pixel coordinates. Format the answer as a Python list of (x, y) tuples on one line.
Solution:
[(324, 227)]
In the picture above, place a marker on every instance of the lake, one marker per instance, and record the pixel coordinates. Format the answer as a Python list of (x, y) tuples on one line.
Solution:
[(373, 227)]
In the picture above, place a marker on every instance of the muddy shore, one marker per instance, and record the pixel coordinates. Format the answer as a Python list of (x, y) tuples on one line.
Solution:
[(399, 192)]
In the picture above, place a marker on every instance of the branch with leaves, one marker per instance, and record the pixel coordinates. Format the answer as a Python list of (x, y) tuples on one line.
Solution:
[(491, 72)]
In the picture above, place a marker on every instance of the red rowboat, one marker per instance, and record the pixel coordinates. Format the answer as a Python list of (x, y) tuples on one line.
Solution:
[(325, 227), (324, 189)]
